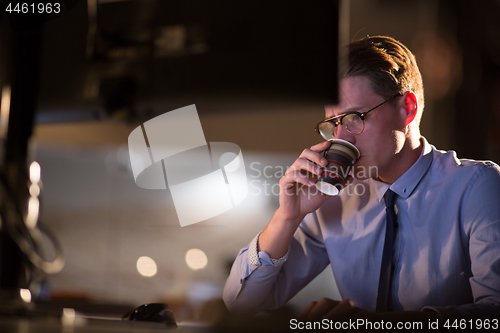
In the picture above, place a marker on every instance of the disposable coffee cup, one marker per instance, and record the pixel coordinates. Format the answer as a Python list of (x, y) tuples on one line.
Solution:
[(341, 156)]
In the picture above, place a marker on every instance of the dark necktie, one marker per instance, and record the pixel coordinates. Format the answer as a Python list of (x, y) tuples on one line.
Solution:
[(384, 286)]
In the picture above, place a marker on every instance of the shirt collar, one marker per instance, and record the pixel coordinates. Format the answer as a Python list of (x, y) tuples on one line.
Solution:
[(406, 184)]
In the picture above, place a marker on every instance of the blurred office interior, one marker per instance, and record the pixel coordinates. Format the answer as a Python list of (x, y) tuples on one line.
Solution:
[(90, 101)]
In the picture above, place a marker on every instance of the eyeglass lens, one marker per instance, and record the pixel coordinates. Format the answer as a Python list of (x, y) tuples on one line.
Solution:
[(352, 123)]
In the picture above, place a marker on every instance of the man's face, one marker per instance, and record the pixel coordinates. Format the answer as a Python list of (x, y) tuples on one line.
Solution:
[(383, 137)]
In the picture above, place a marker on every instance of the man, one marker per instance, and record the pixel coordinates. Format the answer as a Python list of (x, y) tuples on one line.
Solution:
[(444, 259)]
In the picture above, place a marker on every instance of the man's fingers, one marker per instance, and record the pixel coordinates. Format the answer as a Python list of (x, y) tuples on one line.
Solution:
[(321, 146), (329, 309), (305, 167), (321, 308), (305, 313), (341, 310), (313, 154), (295, 178)]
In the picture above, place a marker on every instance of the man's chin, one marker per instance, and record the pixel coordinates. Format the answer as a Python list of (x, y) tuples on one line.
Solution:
[(362, 172), (359, 177)]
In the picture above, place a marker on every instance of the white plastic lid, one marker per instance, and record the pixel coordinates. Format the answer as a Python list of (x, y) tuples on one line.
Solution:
[(327, 188)]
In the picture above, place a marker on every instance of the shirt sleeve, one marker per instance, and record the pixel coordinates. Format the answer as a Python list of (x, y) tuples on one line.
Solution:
[(257, 283), (481, 220), (253, 255)]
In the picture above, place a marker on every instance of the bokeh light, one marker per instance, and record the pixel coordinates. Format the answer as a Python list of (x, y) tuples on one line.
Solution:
[(146, 266), (196, 259), (25, 295), (35, 172)]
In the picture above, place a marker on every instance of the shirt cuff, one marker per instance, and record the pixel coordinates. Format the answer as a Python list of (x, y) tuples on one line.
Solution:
[(253, 254)]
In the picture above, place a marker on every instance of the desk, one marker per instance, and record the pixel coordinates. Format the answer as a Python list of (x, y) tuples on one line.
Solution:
[(51, 325), (61, 317), (90, 318)]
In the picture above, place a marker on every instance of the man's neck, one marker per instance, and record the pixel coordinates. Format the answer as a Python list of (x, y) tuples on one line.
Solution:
[(404, 160)]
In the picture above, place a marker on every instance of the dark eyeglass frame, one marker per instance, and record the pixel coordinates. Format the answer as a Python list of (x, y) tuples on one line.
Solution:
[(337, 120)]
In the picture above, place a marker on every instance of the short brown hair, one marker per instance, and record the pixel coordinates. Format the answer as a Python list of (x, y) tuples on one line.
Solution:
[(389, 65)]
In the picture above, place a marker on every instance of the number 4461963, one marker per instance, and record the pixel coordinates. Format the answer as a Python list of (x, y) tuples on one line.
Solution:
[(40, 8), (471, 324)]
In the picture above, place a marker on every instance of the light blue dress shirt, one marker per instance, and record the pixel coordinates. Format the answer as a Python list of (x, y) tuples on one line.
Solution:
[(446, 252)]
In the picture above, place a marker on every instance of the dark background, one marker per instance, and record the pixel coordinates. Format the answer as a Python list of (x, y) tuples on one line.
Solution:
[(94, 91), (128, 69)]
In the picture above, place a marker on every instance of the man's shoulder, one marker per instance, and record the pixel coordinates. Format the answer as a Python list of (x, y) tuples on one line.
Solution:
[(448, 163)]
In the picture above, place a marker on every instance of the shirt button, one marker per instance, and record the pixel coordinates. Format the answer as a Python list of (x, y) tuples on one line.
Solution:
[(241, 281)]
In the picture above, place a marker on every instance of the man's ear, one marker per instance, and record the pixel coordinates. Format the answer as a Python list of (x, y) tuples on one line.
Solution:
[(411, 106)]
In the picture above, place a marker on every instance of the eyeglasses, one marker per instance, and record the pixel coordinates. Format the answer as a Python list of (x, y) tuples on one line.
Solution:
[(353, 122)]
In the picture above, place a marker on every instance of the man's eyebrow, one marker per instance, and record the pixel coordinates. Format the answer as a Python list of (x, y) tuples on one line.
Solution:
[(350, 110)]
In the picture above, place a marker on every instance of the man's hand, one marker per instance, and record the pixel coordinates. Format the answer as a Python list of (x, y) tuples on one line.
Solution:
[(345, 309), (330, 309), (298, 197), (298, 194)]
